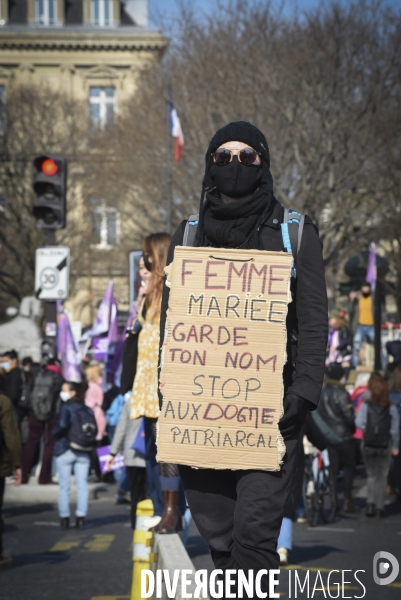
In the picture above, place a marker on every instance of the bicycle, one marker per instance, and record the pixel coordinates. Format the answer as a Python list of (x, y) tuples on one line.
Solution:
[(318, 492)]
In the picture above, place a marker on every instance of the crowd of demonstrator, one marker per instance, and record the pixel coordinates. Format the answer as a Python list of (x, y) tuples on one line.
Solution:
[(59, 425), (41, 417)]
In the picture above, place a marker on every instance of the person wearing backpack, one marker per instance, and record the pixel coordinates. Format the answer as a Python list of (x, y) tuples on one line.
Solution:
[(44, 408), (239, 512), (75, 434), (379, 421)]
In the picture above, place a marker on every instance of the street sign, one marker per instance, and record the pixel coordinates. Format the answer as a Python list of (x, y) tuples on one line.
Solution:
[(52, 270)]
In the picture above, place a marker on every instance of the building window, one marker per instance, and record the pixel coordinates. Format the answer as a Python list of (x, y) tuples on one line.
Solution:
[(102, 12), (102, 105), (2, 108), (46, 12), (105, 225)]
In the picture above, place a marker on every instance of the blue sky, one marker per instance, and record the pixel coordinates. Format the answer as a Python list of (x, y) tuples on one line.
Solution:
[(169, 7)]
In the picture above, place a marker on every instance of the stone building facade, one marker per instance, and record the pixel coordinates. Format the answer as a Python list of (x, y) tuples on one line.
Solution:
[(91, 51)]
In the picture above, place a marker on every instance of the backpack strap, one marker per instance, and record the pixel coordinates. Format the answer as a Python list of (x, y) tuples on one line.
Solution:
[(291, 229), (191, 228)]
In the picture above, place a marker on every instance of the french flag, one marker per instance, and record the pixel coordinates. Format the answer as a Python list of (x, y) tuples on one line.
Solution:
[(176, 132)]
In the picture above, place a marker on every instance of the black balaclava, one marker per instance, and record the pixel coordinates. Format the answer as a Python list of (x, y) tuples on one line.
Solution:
[(237, 224), (235, 179)]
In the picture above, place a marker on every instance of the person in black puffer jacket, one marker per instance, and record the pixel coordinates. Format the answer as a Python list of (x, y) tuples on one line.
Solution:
[(336, 409)]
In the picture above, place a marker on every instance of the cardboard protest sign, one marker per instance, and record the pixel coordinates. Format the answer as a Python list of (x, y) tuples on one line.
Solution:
[(223, 357)]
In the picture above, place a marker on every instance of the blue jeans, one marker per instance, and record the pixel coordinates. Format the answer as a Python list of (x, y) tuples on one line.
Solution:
[(362, 332), (285, 537), (120, 475), (77, 463)]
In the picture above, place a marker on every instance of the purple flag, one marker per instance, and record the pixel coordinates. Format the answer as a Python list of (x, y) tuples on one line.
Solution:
[(102, 321), (102, 453), (68, 351), (112, 339), (371, 272)]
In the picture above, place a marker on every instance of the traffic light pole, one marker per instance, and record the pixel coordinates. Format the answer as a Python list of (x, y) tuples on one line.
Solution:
[(50, 209), (50, 305)]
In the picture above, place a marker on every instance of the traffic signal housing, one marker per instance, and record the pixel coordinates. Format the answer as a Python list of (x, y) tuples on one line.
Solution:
[(50, 186)]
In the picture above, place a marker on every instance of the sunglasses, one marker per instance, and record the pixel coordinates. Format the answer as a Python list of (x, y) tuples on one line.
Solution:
[(223, 156), (146, 262)]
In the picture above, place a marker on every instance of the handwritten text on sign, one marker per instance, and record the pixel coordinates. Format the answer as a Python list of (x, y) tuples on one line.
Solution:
[(223, 357)]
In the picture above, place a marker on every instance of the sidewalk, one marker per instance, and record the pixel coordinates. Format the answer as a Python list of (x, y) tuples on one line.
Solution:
[(33, 492)]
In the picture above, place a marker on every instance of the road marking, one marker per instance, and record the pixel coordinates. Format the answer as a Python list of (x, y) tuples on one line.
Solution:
[(98, 543), (48, 523), (339, 529), (109, 597), (67, 543)]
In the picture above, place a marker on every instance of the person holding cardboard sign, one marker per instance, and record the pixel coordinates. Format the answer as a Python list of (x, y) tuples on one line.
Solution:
[(236, 290)]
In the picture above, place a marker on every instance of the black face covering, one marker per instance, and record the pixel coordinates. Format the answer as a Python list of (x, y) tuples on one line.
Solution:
[(366, 294), (236, 180)]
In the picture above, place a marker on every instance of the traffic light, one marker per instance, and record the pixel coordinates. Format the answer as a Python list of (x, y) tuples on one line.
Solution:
[(50, 186)]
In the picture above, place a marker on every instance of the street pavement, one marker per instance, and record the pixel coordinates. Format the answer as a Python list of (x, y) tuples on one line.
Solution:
[(51, 564), (349, 543), (96, 564)]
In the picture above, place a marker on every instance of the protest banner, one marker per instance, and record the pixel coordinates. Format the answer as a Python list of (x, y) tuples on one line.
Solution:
[(223, 357), (102, 453)]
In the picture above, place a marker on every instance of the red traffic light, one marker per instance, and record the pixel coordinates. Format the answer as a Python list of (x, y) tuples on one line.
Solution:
[(49, 167)]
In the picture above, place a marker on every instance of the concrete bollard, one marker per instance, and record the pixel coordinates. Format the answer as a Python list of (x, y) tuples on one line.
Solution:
[(141, 555)]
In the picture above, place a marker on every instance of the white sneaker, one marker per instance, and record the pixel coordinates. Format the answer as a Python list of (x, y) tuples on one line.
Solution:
[(283, 553)]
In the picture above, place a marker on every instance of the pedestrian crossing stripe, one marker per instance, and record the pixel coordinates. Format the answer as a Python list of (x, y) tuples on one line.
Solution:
[(97, 543), (67, 543)]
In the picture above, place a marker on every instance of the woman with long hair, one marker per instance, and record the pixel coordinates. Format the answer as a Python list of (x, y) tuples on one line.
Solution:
[(379, 421), (94, 399), (144, 399)]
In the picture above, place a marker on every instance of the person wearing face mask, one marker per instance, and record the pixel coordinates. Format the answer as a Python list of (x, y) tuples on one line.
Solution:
[(70, 459), (239, 513), (14, 380)]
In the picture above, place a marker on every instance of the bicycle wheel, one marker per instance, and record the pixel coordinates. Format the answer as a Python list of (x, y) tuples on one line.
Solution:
[(325, 496)]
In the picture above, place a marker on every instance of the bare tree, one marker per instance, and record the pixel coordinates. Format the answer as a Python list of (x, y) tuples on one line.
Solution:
[(324, 88)]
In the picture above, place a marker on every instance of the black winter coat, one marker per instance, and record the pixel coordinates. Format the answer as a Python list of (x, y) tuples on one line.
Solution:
[(307, 319), (337, 410)]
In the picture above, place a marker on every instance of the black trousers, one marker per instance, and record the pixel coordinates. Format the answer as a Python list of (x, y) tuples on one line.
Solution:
[(2, 488), (137, 477), (239, 513), (346, 454)]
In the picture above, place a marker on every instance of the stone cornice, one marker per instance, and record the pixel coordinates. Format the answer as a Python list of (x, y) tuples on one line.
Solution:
[(82, 39)]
